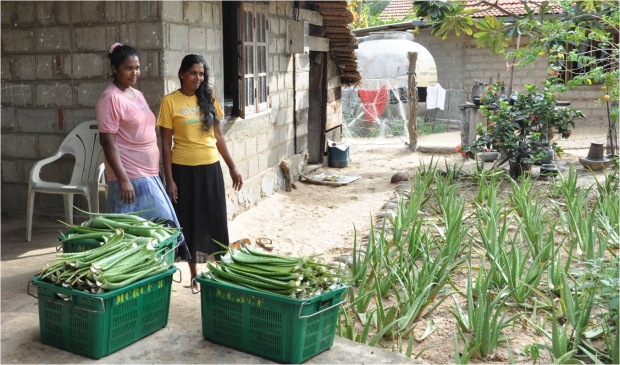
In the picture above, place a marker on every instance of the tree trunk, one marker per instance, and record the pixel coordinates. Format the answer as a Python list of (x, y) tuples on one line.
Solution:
[(412, 123)]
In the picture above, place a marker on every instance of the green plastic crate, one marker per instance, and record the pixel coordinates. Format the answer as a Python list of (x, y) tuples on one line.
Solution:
[(272, 326), (96, 325), (89, 244)]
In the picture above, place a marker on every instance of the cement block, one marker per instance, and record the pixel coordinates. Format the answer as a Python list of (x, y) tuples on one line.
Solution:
[(37, 121), (242, 167), (263, 161), (153, 90), (301, 100), (217, 15), (46, 13), (263, 142), (90, 39), (127, 11), (172, 11), (8, 13), (23, 67), (150, 64), (177, 36), (25, 12), (171, 61), (72, 117), (290, 148), (197, 38), (251, 146), (14, 195), (48, 144), (302, 62), (127, 34), (63, 9), (253, 166), (148, 10), (150, 36), (92, 11), (207, 13), (54, 94), (273, 156), (217, 70), (17, 40), (10, 173), (274, 101), (290, 131), (88, 65), (19, 146), (111, 11), (45, 67), (88, 92), (237, 149), (6, 73), (191, 11), (282, 134), (8, 119), (282, 152), (53, 39), (16, 94)]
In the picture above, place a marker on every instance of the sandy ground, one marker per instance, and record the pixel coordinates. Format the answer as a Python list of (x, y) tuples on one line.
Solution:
[(321, 219)]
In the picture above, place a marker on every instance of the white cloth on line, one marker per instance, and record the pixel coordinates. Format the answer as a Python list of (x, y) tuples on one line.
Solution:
[(435, 97)]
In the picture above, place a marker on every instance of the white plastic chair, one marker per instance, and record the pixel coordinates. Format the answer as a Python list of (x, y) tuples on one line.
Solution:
[(87, 177)]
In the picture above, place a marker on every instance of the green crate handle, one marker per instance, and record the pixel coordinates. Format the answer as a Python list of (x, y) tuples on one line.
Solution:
[(180, 277), (69, 305), (322, 310)]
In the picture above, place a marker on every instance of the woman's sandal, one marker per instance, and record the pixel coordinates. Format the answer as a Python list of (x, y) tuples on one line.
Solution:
[(264, 243), (239, 244)]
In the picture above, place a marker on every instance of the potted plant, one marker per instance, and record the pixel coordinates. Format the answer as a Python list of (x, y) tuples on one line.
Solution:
[(521, 125)]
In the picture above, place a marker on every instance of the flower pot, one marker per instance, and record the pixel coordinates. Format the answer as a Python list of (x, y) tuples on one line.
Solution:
[(547, 159), (488, 156)]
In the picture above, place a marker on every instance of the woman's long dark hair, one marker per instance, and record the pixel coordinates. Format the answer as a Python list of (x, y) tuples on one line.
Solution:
[(204, 92), (120, 53)]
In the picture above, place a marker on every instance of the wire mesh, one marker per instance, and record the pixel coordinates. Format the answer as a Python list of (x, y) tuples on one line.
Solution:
[(383, 111)]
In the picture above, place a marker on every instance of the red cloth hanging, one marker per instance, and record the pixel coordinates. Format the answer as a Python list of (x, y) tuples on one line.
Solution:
[(373, 102)]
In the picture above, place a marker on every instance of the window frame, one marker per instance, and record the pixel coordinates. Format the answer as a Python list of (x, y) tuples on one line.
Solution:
[(252, 68)]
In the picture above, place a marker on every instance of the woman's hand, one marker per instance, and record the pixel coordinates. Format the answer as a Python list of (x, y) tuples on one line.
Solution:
[(128, 195), (236, 178), (172, 190)]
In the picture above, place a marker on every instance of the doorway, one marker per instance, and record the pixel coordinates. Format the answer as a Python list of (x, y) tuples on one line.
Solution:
[(316, 108)]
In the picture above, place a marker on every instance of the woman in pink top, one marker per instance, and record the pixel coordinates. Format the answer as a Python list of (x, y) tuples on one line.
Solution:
[(129, 141)]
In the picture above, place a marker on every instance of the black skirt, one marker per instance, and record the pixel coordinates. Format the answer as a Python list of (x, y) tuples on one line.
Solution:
[(201, 209)]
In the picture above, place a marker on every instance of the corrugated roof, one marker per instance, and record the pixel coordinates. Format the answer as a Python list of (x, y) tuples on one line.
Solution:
[(398, 9)]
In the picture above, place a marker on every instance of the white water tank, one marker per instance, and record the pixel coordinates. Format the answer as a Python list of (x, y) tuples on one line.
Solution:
[(383, 56)]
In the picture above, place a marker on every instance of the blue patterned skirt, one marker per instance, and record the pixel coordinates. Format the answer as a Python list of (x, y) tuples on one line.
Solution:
[(151, 200)]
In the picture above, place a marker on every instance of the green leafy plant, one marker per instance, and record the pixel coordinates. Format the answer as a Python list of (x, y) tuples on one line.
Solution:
[(521, 126)]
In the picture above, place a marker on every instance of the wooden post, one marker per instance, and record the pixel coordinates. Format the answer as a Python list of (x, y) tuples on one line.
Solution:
[(412, 123)]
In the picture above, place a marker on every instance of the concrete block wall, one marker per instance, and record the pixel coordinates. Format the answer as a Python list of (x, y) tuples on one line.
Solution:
[(54, 67)]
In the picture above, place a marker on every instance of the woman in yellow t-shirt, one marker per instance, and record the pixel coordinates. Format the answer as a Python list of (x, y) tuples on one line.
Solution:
[(194, 181)]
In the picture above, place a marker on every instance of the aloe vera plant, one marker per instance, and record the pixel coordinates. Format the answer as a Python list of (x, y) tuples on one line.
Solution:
[(485, 317)]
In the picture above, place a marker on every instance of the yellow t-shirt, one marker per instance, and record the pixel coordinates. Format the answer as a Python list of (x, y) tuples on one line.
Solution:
[(193, 145)]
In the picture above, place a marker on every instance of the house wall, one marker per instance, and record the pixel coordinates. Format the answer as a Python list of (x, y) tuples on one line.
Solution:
[(54, 67), (460, 62)]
